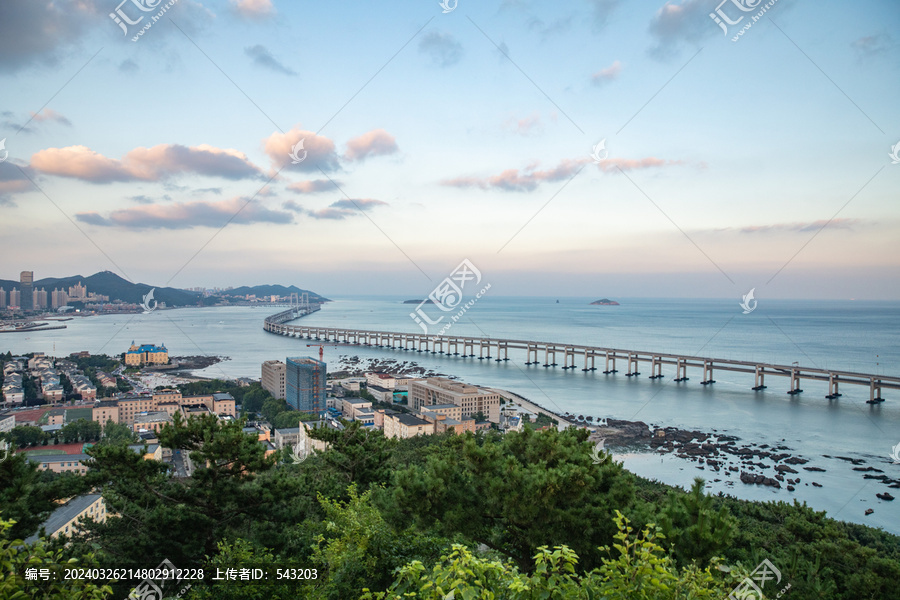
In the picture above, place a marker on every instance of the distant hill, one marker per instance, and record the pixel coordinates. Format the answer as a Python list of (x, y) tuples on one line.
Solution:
[(272, 290), (107, 283)]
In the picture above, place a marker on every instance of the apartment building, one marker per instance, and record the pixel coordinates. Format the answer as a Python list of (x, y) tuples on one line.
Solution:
[(404, 426), (64, 520), (273, 377), (386, 380), (440, 390)]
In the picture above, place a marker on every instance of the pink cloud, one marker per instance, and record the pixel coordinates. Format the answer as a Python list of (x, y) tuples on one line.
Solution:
[(530, 177), (144, 164), (377, 142), (186, 215), (514, 180), (608, 74), (253, 9), (319, 151)]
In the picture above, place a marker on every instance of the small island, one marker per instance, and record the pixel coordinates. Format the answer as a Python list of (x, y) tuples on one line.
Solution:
[(426, 300), (604, 302)]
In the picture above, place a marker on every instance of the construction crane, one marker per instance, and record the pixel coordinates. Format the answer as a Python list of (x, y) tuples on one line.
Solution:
[(322, 349)]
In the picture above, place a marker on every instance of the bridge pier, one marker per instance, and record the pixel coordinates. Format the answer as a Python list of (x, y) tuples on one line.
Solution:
[(707, 373), (567, 352), (608, 370), (874, 391), (681, 370), (547, 353), (656, 368), (795, 383), (592, 367), (632, 366), (528, 350), (455, 344), (760, 380), (833, 387)]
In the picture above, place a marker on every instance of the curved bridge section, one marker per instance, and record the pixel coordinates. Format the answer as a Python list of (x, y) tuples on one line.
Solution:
[(547, 354)]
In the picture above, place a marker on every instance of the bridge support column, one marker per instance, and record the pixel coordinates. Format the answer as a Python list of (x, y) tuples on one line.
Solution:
[(795, 383), (592, 367), (455, 344), (874, 391), (681, 370), (613, 369), (528, 355), (707, 373), (632, 366), (656, 368), (547, 353), (566, 353), (760, 380), (833, 387)]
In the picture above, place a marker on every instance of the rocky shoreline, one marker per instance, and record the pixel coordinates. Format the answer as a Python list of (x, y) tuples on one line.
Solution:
[(752, 464), (354, 366)]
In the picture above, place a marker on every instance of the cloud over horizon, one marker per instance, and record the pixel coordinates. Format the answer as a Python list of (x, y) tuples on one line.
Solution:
[(338, 210), (157, 163), (530, 177), (610, 73), (186, 215)]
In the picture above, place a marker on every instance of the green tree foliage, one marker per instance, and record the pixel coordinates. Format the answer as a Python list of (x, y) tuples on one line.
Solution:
[(292, 418), (695, 530), (254, 399), (272, 408), (28, 495), (15, 558), (118, 433), (638, 569), (517, 492), (81, 430), (355, 454), (27, 435)]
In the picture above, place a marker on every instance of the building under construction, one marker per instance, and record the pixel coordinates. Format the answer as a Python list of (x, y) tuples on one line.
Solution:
[(305, 384)]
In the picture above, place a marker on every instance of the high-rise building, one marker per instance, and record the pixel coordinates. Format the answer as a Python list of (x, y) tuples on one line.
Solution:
[(273, 377), (40, 298), (2, 298), (14, 300), (58, 298), (305, 384), (26, 279), (78, 291)]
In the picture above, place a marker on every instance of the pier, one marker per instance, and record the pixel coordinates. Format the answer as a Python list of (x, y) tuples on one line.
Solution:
[(588, 358)]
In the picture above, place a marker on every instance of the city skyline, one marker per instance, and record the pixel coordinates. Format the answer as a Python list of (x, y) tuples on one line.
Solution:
[(431, 137)]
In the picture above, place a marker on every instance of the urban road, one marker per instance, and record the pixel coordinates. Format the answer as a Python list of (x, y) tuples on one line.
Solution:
[(573, 356)]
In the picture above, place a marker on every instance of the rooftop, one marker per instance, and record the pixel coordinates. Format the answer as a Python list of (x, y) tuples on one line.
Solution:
[(64, 514), (410, 421)]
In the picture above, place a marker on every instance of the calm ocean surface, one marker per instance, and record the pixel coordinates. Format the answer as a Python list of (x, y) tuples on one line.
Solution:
[(852, 335)]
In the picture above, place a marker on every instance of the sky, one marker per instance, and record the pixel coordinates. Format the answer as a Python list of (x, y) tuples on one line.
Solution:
[(581, 148)]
